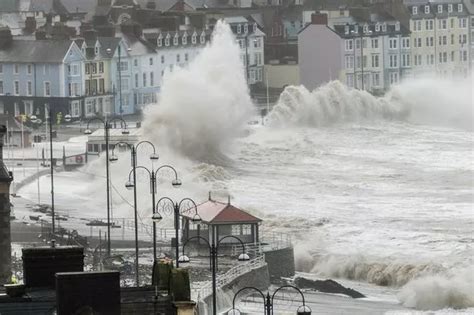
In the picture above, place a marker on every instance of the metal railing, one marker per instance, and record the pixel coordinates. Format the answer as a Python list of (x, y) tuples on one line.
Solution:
[(226, 278), (268, 241)]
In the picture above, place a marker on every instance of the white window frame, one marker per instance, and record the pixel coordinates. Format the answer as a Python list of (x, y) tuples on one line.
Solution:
[(48, 84), (246, 229), (176, 40), (160, 42), (235, 229), (16, 68), (460, 7), (414, 10), (29, 69), (193, 39), (16, 87), (202, 39), (29, 88), (427, 9), (450, 8), (239, 29), (246, 28), (167, 41), (184, 39), (440, 8)]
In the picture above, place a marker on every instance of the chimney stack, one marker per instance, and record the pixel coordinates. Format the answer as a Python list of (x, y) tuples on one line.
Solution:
[(5, 233), (319, 18)]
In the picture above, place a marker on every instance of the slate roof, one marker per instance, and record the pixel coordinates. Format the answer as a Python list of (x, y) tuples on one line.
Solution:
[(79, 5), (215, 212), (434, 10), (340, 30), (35, 51)]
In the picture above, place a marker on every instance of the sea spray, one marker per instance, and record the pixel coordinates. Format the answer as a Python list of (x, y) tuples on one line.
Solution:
[(203, 106), (439, 102)]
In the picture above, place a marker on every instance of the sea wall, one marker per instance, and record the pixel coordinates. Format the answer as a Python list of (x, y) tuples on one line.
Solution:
[(281, 263)]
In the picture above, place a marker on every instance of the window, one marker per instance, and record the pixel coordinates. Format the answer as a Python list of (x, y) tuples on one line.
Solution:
[(193, 39), (246, 28), (375, 43), (1, 87), (162, 58), (364, 58), (443, 24), (16, 88), (460, 7), (186, 57), (75, 108), (357, 41), (463, 23), (235, 229), (184, 40), (239, 29), (135, 62), (178, 57), (47, 89), (427, 9), (358, 62), (246, 229), (94, 67), (152, 79), (376, 79), (124, 84), (405, 60), (1, 67), (202, 39), (123, 66), (29, 88), (375, 61), (96, 50), (28, 107), (415, 10), (160, 41), (450, 8), (349, 44), (393, 61), (384, 27), (452, 39), (405, 43), (101, 67), (136, 80), (175, 40), (101, 86), (393, 77), (87, 68), (349, 62), (393, 43), (377, 27), (150, 61), (144, 79), (452, 56), (440, 8), (364, 43), (167, 41), (16, 68), (350, 80), (445, 40), (29, 69)]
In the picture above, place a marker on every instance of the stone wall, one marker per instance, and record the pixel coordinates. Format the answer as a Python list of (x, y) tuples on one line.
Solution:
[(258, 278), (5, 236), (281, 263)]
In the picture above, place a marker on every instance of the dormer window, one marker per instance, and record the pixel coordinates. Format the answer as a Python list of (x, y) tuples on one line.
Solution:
[(384, 27), (239, 29), (246, 28), (254, 27), (440, 8), (377, 27), (414, 10), (460, 7), (193, 38), (160, 41), (427, 9), (346, 29), (202, 38), (397, 26), (184, 39), (96, 50), (167, 40), (450, 8), (366, 28), (175, 40), (356, 28)]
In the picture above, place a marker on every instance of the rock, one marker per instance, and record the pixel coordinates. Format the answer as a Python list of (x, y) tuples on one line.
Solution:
[(327, 286)]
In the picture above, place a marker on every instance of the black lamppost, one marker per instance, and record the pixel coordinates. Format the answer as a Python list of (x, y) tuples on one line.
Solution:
[(268, 301), (213, 251), (153, 157), (167, 206), (153, 174), (107, 124), (35, 120)]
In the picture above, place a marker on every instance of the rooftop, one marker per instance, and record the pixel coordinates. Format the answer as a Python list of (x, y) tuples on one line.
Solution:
[(40, 51)]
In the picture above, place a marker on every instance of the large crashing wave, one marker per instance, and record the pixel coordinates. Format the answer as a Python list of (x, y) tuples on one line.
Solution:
[(204, 106), (422, 100)]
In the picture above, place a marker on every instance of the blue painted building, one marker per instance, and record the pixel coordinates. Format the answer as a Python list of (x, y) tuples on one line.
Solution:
[(35, 73)]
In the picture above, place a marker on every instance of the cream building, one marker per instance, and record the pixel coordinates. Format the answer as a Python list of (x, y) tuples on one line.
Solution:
[(440, 38)]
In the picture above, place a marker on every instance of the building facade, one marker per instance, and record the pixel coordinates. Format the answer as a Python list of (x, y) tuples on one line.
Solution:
[(35, 74), (440, 38)]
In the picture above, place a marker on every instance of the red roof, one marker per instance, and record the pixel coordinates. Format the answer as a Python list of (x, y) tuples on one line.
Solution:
[(215, 212)]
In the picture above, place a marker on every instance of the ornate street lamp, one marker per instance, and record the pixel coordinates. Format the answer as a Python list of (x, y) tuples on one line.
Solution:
[(213, 251)]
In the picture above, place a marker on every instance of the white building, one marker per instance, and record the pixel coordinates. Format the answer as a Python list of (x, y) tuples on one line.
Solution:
[(440, 38), (376, 54), (251, 41)]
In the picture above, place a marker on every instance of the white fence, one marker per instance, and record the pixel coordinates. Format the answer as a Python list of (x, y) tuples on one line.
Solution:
[(226, 278)]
